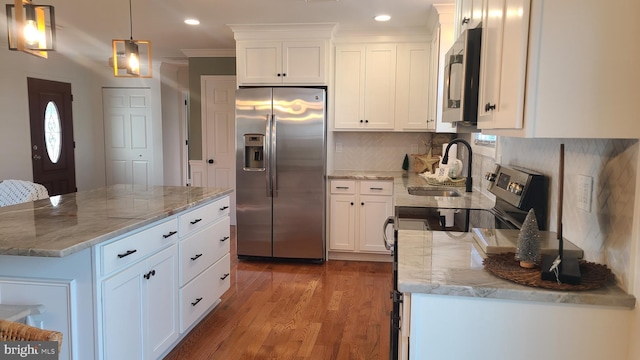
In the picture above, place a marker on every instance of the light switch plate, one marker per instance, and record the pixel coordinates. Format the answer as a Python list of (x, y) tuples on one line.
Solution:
[(584, 190)]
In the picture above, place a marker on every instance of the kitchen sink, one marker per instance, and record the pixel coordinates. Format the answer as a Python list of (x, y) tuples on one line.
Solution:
[(420, 191)]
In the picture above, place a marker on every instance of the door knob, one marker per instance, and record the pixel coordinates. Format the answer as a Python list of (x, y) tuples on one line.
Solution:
[(210, 161)]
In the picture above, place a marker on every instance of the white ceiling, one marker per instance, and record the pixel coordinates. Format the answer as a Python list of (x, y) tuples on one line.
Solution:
[(85, 28)]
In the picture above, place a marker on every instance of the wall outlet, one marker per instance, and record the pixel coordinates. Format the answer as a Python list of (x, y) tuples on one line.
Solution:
[(584, 190), (338, 147)]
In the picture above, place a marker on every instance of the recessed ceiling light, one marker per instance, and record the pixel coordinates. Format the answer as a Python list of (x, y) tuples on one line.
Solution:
[(192, 22), (382, 18)]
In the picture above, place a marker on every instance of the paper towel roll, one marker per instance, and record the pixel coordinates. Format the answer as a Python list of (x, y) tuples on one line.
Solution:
[(453, 152)]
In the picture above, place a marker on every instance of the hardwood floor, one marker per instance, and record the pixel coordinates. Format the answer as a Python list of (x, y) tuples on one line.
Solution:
[(276, 310)]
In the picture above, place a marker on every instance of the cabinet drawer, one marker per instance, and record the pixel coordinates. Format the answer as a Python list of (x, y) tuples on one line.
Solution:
[(203, 216), (376, 187), (134, 247), (201, 249), (343, 186), (198, 296)]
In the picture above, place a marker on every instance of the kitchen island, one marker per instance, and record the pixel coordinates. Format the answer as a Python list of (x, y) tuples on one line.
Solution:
[(95, 259), (454, 309)]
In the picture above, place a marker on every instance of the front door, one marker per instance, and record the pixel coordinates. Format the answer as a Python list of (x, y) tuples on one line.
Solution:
[(52, 145), (128, 138)]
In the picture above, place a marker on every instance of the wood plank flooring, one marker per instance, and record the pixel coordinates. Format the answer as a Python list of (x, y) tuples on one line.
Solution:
[(276, 310)]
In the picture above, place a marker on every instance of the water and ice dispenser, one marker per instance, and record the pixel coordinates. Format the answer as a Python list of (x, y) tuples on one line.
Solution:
[(254, 152)]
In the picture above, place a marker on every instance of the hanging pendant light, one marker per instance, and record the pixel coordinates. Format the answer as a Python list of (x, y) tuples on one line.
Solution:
[(31, 28), (131, 58)]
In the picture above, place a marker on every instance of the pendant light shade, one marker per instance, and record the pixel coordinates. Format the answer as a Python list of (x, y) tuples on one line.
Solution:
[(31, 28), (131, 58)]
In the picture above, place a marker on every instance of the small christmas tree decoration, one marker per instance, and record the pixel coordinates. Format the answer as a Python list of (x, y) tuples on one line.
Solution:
[(528, 247), (405, 163)]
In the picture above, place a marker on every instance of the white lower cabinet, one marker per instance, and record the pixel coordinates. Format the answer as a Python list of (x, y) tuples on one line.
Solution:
[(358, 209), (156, 284), (139, 309)]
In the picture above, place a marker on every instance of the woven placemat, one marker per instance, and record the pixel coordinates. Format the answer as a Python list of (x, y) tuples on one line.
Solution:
[(505, 266)]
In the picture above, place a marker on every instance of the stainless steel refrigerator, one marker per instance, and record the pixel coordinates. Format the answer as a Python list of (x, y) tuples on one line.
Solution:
[(280, 173)]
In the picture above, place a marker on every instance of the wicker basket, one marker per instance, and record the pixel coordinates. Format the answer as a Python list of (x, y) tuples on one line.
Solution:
[(13, 331)]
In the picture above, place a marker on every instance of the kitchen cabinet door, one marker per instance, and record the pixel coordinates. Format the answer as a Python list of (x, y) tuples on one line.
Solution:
[(282, 62), (342, 222), (365, 86), (140, 308), (469, 15), (503, 64), (374, 210), (413, 87), (259, 62)]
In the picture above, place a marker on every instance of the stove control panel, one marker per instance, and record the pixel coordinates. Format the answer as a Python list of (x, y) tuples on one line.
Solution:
[(514, 185)]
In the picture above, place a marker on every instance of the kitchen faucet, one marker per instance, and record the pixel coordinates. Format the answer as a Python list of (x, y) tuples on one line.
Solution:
[(445, 160)]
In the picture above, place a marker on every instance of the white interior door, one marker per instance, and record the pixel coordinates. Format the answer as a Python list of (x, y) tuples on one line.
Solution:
[(218, 133), (128, 137)]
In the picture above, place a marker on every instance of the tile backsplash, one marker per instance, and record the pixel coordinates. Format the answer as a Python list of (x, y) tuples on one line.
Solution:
[(603, 231)]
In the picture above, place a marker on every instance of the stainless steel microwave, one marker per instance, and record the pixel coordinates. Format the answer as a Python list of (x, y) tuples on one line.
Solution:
[(461, 78)]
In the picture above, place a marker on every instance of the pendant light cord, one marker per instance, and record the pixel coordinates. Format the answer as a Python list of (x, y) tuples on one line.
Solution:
[(130, 22)]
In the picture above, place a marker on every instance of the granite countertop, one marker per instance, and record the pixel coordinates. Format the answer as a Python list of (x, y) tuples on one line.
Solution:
[(445, 263), (65, 224), (403, 181)]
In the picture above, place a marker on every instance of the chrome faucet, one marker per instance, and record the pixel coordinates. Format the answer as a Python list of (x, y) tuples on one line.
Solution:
[(445, 160)]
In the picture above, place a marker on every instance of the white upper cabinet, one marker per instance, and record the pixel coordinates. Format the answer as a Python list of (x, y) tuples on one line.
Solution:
[(413, 87), (295, 54), (365, 86), (560, 69), (282, 62), (469, 15), (444, 36)]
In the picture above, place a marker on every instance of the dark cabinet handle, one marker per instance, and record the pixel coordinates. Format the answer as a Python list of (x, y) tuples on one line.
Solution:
[(342, 187), (361, 121), (362, 203), (367, 121), (375, 188), (278, 74), (149, 274), (196, 302), (129, 252), (210, 161), (465, 20), (224, 208), (284, 74), (195, 221), (489, 107), (171, 233), (196, 257), (224, 276), (352, 203), (224, 239)]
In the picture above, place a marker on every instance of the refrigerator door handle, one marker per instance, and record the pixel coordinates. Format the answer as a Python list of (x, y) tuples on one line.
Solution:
[(267, 155), (274, 151)]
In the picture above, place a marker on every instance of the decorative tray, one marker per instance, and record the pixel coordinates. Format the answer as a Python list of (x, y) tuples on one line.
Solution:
[(505, 266)]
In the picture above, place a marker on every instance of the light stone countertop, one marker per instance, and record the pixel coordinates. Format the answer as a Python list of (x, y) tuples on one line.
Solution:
[(65, 224), (450, 263), (402, 181), (446, 263)]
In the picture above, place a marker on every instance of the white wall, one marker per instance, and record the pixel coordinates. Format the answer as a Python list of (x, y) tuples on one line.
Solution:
[(87, 77)]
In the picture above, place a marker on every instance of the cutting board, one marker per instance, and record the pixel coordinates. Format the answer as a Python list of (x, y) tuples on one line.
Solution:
[(496, 241)]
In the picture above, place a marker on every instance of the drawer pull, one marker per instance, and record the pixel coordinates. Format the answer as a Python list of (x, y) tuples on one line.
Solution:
[(195, 221), (129, 252), (224, 239), (342, 187), (171, 233), (376, 188), (196, 302), (149, 274), (224, 276), (196, 257), (224, 208)]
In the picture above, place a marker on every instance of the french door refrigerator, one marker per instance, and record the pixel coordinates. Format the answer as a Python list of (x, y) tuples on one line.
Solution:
[(280, 173)]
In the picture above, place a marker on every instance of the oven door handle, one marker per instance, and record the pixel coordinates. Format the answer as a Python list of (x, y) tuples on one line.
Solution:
[(390, 220)]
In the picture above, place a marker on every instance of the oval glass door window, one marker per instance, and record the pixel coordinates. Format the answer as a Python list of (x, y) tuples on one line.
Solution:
[(52, 132)]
